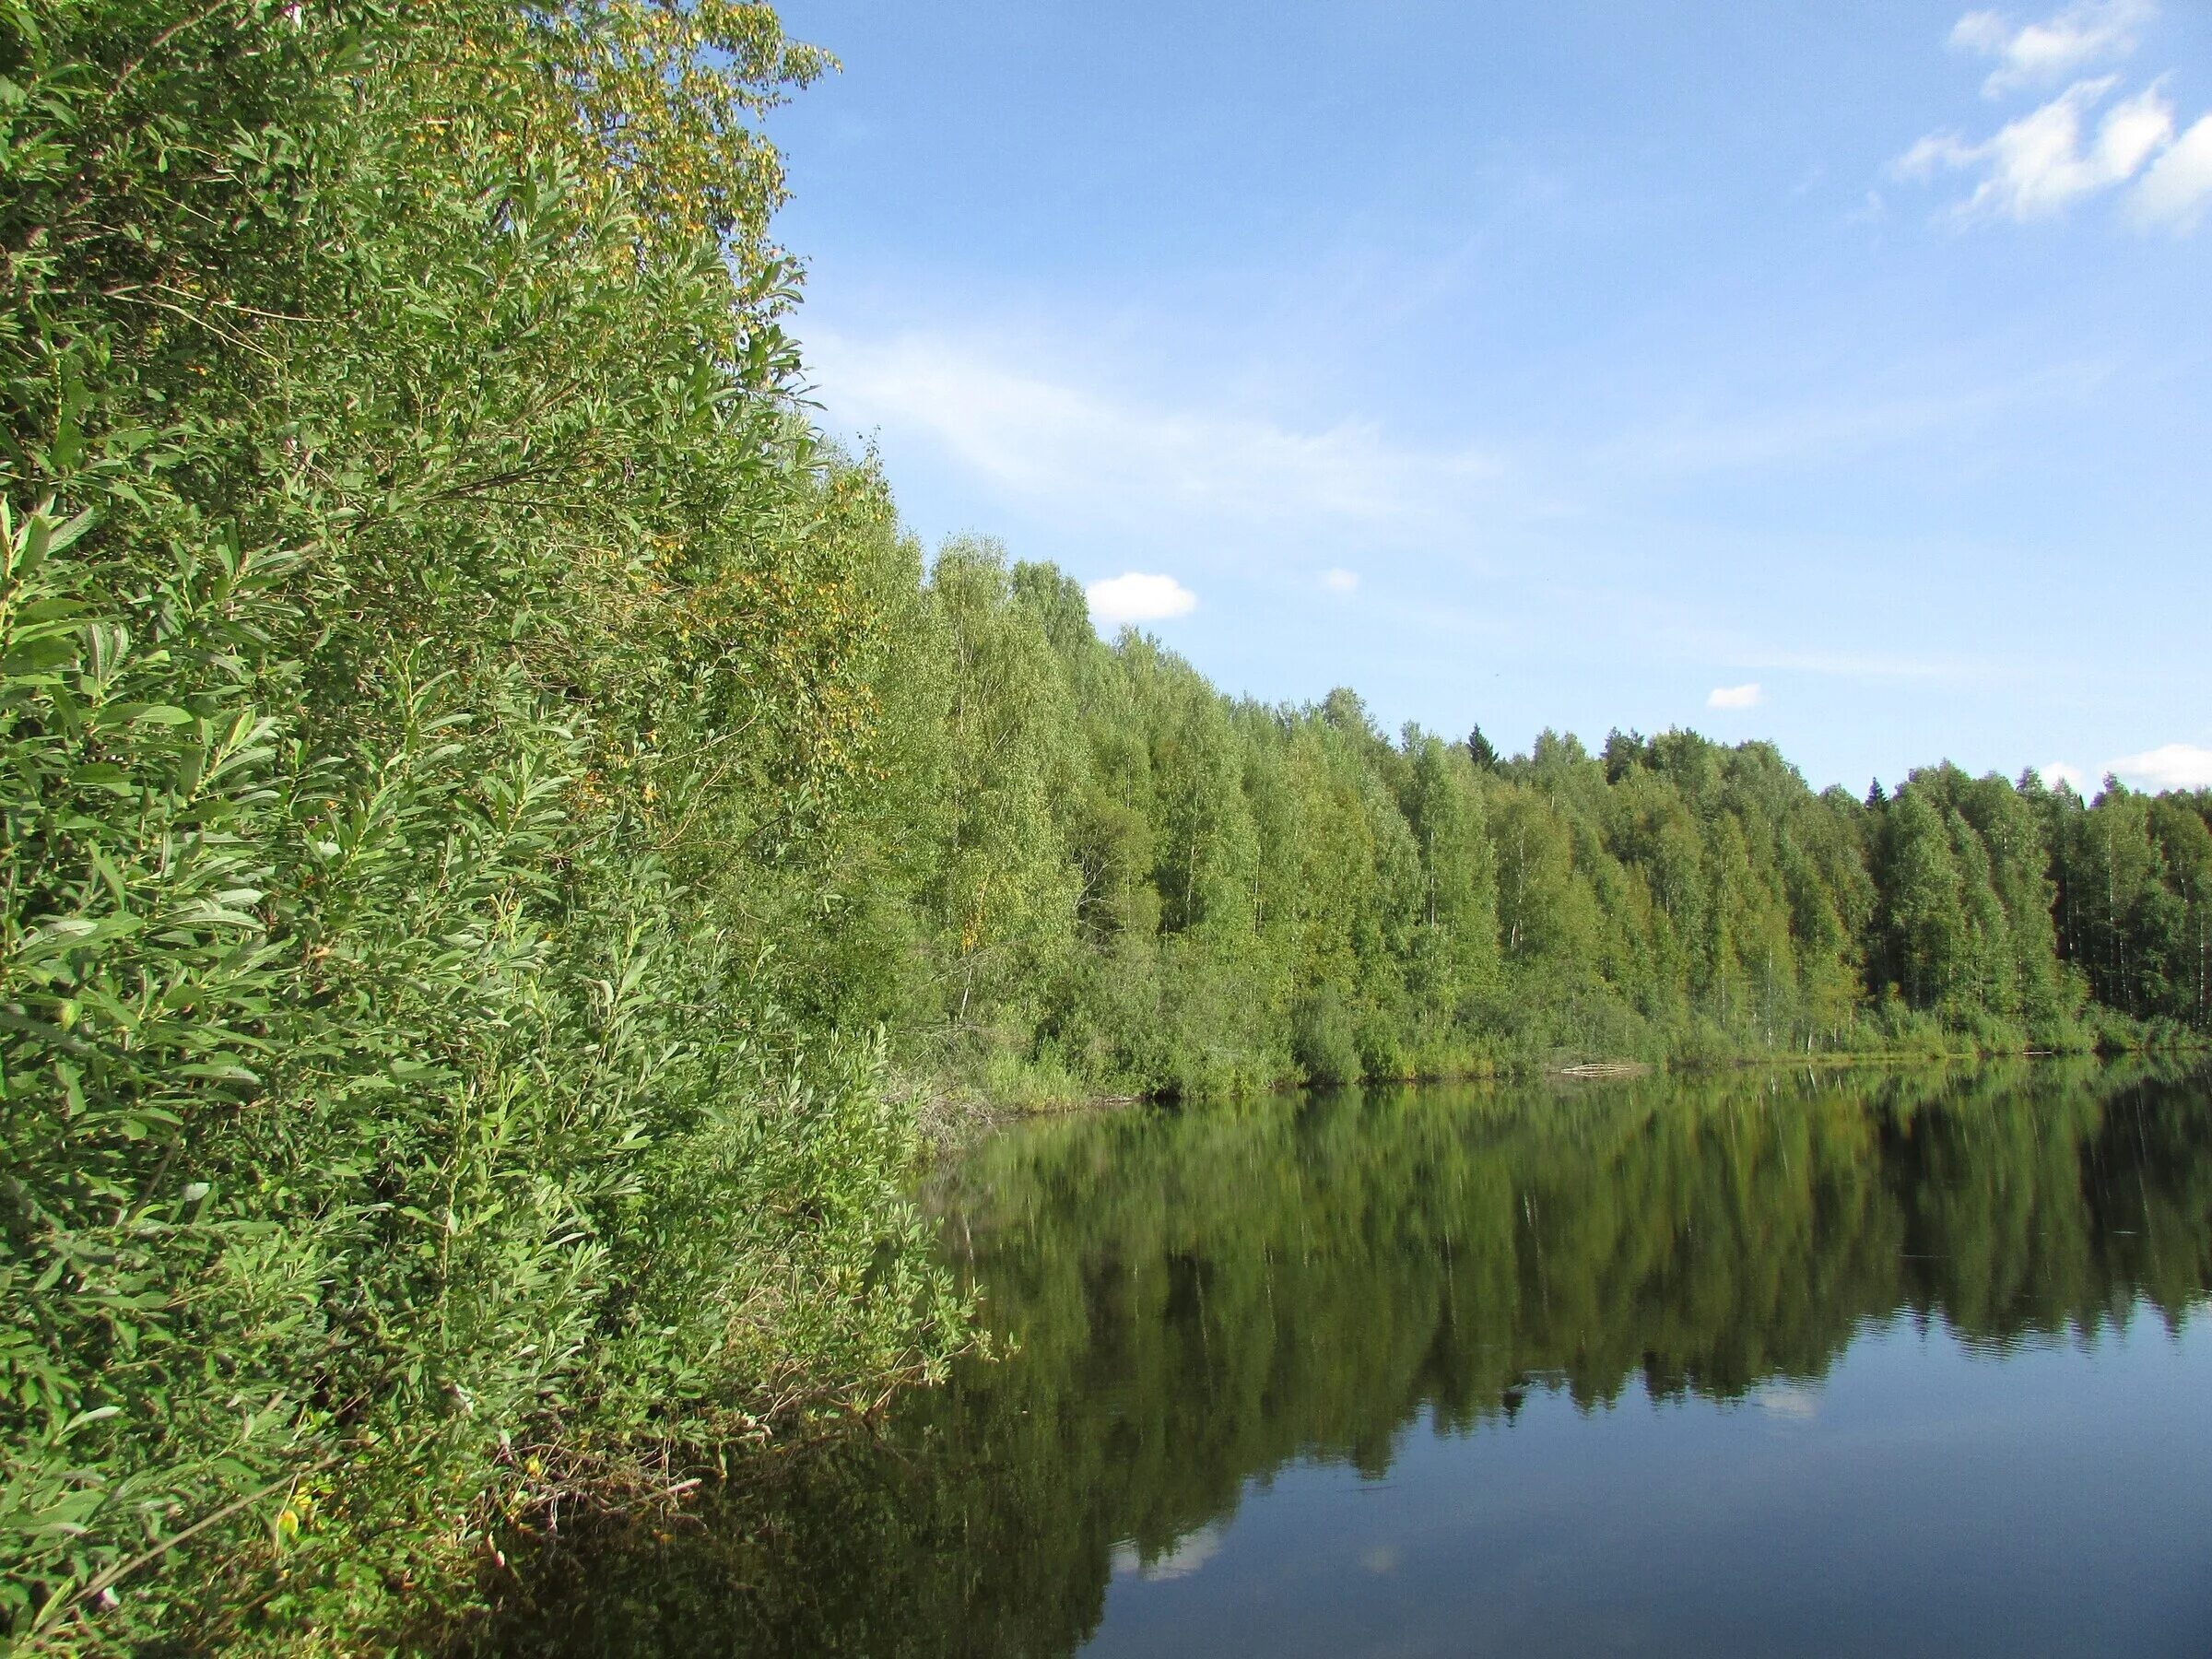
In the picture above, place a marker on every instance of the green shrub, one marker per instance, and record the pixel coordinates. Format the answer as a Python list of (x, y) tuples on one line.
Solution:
[(421, 622), (1325, 1037)]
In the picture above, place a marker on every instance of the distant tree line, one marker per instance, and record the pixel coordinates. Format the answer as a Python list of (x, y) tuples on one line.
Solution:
[(1086, 868)]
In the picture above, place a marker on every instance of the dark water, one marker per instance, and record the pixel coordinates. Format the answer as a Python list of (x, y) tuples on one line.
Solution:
[(1848, 1364)]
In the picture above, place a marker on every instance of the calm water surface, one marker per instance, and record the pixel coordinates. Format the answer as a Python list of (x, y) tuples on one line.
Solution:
[(1838, 1364)]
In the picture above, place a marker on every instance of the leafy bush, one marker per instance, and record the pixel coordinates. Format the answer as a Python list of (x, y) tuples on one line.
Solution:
[(421, 619), (1325, 1038)]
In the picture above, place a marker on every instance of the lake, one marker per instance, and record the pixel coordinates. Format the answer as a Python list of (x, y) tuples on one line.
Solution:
[(1829, 1362)]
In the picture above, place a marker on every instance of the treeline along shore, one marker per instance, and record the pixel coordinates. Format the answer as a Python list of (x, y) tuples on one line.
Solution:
[(502, 831)]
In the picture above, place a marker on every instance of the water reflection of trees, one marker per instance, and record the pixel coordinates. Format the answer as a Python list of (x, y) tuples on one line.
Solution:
[(1201, 1299)]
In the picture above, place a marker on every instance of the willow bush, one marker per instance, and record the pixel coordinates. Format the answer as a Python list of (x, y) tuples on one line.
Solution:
[(420, 596)]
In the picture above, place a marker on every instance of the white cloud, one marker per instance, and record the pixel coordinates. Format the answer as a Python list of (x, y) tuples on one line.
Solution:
[(2058, 772), (2040, 54), (1340, 580), (2039, 165), (1138, 597), (2176, 191), (2169, 766), (1788, 1402), (1069, 444), (1188, 1555), (1735, 697)]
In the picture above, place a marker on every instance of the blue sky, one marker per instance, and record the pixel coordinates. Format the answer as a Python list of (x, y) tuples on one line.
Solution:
[(1833, 375)]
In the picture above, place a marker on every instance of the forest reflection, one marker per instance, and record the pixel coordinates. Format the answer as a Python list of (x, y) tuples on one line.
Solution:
[(1198, 1300)]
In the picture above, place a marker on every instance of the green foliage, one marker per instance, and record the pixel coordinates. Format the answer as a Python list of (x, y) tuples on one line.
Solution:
[(423, 624), (489, 803), (1184, 894)]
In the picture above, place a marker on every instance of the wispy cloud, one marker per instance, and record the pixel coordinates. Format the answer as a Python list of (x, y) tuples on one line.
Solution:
[(1138, 597), (2169, 766), (1070, 441), (1247, 485), (2040, 164), (2177, 189), (1863, 417), (1735, 697), (1864, 665), (1743, 652), (2040, 54)]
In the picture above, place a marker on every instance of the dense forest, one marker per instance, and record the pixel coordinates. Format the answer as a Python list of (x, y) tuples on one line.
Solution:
[(1090, 869), (502, 830)]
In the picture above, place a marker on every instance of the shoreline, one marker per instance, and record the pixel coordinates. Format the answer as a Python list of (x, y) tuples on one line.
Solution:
[(948, 1116)]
